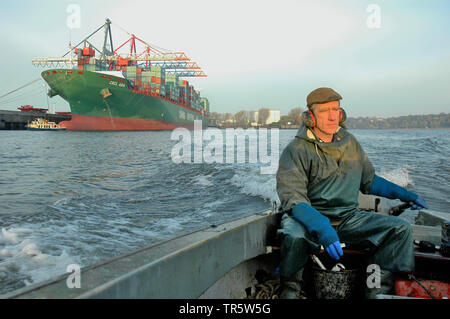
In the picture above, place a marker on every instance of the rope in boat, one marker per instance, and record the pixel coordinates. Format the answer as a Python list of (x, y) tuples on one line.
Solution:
[(420, 284), (269, 289)]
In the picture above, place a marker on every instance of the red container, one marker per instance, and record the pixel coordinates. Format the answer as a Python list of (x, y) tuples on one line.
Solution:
[(156, 80), (88, 52), (123, 62), (410, 288)]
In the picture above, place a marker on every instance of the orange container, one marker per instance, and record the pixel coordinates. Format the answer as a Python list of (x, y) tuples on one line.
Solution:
[(88, 52), (156, 80), (122, 62)]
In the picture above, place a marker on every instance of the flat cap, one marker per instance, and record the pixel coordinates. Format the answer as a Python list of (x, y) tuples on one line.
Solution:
[(322, 95)]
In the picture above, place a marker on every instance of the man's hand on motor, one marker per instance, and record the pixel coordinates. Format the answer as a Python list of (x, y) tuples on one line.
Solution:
[(335, 250), (419, 203), (384, 188)]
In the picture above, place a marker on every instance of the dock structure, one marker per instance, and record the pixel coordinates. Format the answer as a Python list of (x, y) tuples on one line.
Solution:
[(16, 120)]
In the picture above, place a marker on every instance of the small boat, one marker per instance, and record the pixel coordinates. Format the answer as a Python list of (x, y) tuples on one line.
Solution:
[(41, 124), (229, 261)]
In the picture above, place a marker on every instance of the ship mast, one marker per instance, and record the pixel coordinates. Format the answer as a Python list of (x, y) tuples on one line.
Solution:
[(107, 52)]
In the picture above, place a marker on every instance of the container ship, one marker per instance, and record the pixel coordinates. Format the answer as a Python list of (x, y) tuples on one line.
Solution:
[(125, 92)]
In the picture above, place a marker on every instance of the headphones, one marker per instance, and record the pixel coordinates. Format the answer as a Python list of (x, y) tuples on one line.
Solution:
[(310, 121)]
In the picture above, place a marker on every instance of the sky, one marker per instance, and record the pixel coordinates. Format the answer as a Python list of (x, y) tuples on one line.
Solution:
[(386, 58)]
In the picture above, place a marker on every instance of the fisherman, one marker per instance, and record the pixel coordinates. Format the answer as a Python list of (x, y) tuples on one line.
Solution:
[(319, 178)]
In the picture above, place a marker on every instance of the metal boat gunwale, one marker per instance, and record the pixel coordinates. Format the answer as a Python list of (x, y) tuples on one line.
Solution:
[(108, 274), (200, 264)]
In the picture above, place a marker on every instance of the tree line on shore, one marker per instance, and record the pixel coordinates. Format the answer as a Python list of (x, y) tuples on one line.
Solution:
[(441, 120), (294, 119)]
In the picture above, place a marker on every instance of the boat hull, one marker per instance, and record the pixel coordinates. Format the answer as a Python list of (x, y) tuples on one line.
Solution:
[(103, 123), (100, 102), (216, 262)]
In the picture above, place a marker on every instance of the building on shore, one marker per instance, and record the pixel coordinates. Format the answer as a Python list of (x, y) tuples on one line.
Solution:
[(274, 116)]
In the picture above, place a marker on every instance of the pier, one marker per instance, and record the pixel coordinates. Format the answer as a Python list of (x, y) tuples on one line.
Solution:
[(16, 120)]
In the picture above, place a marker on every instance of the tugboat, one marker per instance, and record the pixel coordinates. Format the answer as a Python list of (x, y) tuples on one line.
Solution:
[(41, 124)]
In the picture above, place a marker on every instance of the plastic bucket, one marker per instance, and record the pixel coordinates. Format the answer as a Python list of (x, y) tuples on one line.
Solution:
[(335, 285)]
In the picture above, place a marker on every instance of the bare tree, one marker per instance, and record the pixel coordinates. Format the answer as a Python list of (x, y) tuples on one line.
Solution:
[(215, 116), (296, 115), (242, 118), (228, 116)]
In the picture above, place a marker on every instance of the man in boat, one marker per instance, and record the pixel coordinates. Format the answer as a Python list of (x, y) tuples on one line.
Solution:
[(318, 181)]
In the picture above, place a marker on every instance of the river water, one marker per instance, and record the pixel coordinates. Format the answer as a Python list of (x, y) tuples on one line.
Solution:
[(84, 197)]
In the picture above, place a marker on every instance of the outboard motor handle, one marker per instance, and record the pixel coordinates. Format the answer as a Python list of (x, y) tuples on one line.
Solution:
[(398, 210)]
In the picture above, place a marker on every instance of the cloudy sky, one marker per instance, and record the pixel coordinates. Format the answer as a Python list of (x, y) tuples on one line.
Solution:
[(257, 53)]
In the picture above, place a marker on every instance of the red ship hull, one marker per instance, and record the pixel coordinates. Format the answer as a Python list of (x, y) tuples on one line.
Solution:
[(98, 123)]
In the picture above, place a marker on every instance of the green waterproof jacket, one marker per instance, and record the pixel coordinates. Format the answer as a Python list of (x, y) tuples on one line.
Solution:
[(327, 176)]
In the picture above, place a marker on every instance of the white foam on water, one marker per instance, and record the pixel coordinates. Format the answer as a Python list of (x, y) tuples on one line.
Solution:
[(8, 236), (400, 176), (21, 254), (214, 204), (251, 182), (170, 224)]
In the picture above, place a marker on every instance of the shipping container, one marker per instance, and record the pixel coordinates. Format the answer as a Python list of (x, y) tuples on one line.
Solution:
[(88, 52), (156, 80), (123, 62)]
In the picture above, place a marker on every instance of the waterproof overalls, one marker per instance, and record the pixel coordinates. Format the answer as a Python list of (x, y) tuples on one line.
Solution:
[(329, 176)]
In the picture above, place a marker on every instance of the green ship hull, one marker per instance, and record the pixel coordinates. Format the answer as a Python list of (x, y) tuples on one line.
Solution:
[(103, 102)]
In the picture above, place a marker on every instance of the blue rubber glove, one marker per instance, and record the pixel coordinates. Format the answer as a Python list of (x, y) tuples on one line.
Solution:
[(319, 226), (335, 250), (419, 203), (384, 188)]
